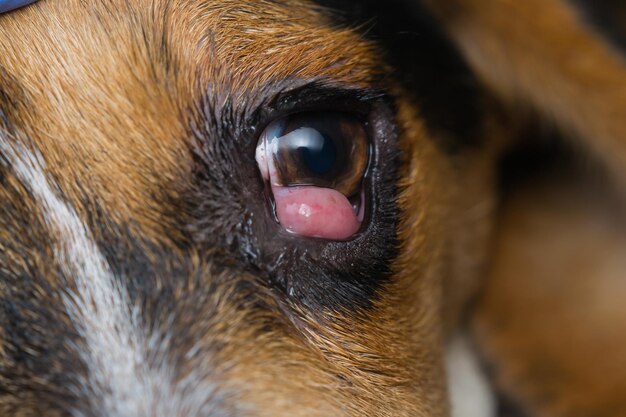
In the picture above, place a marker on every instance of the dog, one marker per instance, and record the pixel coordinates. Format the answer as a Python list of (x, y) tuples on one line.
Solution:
[(174, 241)]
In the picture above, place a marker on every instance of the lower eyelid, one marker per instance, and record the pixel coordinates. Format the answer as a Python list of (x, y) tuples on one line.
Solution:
[(316, 212)]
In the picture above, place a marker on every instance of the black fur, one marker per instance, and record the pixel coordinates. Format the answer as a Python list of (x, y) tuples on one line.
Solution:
[(229, 209), (608, 17), (424, 62), (41, 365)]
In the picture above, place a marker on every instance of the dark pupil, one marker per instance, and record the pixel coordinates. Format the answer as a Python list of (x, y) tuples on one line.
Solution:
[(319, 153)]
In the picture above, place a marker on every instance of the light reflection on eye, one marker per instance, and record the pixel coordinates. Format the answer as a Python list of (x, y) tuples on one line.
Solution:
[(315, 163)]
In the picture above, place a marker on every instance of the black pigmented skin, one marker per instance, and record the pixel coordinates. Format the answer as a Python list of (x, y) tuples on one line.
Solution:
[(230, 209), (228, 206)]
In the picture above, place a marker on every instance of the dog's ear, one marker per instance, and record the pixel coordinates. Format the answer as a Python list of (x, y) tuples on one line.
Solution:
[(553, 55), (550, 322), (427, 66)]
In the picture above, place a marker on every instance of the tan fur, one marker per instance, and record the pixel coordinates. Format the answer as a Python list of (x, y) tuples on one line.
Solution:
[(118, 98), (539, 52), (552, 318), (107, 92), (101, 106)]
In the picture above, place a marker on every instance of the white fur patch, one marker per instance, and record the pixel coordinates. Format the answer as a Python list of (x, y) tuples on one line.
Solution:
[(129, 374), (470, 392)]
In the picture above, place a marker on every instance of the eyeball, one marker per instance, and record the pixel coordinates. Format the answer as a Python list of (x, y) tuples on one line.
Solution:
[(314, 164)]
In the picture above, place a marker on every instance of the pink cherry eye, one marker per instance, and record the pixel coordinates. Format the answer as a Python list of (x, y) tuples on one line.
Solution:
[(315, 163)]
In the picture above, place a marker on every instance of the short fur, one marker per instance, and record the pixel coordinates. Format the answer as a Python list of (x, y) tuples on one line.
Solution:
[(142, 274)]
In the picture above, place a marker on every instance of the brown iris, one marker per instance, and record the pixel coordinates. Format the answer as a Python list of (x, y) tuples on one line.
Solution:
[(323, 149)]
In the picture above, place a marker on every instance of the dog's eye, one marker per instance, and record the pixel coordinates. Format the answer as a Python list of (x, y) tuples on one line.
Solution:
[(320, 149), (315, 163)]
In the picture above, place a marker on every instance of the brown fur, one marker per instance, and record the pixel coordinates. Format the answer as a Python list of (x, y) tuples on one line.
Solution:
[(551, 317), (106, 95), (518, 47), (552, 326), (108, 92)]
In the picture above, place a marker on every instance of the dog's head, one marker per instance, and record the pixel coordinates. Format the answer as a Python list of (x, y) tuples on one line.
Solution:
[(144, 268)]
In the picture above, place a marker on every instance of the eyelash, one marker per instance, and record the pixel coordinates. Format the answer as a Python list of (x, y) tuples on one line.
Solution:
[(312, 98), (261, 241)]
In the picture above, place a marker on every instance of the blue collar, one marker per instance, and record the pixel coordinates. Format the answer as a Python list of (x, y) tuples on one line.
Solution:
[(8, 5)]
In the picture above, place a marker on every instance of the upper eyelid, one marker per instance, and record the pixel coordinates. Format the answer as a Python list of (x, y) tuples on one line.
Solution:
[(314, 92), (247, 119), (316, 96)]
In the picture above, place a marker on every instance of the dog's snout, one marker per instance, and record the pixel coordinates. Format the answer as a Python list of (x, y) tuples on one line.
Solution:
[(139, 332)]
